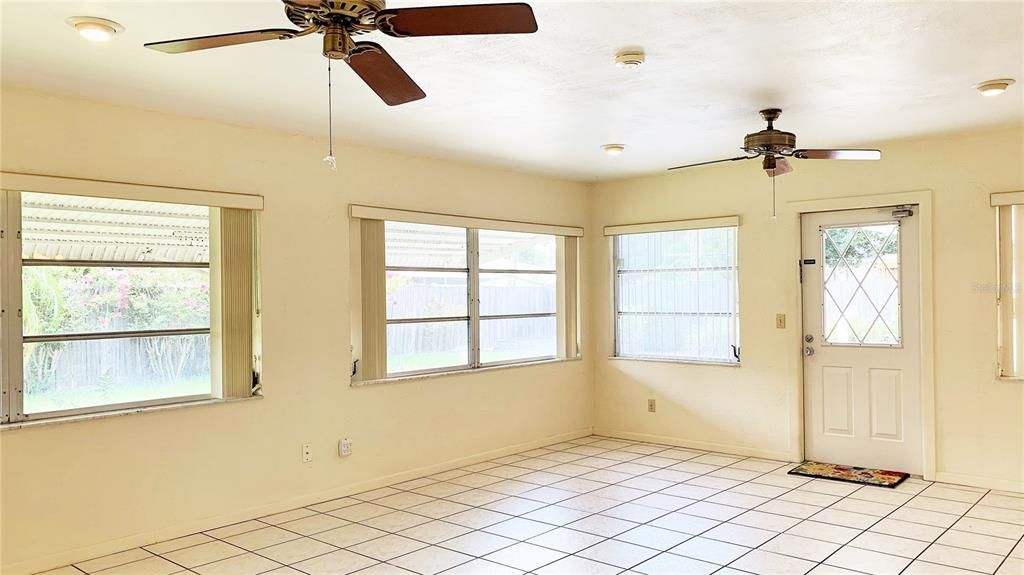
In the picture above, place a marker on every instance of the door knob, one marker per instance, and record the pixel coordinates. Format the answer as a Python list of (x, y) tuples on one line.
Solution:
[(808, 351)]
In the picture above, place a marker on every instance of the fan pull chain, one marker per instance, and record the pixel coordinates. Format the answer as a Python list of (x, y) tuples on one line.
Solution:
[(329, 159), (775, 217)]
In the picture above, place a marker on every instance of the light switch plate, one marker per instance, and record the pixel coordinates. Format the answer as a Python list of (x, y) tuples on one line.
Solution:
[(780, 321)]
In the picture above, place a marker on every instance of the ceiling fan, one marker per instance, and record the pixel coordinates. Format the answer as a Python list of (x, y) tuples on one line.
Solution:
[(340, 20), (776, 146)]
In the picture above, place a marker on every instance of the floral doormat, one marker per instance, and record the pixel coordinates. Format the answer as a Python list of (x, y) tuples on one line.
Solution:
[(862, 475)]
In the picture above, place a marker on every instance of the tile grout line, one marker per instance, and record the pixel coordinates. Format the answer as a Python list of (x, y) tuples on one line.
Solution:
[(944, 531), (1020, 540), (545, 504)]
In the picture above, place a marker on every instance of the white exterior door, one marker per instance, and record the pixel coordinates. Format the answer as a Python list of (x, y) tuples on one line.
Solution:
[(862, 343)]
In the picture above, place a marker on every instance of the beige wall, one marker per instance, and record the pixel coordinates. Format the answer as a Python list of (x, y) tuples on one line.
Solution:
[(75, 490), (754, 409), (71, 491)]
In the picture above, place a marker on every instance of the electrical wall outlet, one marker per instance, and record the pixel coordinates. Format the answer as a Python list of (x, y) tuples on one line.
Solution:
[(307, 452), (780, 321), (345, 447), (652, 405)]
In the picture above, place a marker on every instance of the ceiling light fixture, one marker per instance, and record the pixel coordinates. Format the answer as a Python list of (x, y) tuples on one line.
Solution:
[(95, 29), (994, 87), (630, 59), (613, 149)]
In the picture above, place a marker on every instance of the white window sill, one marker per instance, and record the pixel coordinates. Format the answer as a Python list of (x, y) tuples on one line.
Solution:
[(121, 412), (422, 376), (676, 361)]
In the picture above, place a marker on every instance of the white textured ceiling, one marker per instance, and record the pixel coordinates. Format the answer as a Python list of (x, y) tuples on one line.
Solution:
[(845, 74)]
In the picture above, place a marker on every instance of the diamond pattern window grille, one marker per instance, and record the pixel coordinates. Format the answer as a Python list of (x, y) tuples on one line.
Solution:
[(861, 287)]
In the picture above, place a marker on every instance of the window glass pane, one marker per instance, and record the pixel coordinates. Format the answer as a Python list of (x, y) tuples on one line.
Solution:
[(60, 300), (861, 288), (666, 336), (677, 295), (56, 227), (416, 294), (517, 293), (89, 373), (662, 250), (424, 246), (701, 338), (426, 346), (650, 291), (504, 340), (516, 251), (72, 299)]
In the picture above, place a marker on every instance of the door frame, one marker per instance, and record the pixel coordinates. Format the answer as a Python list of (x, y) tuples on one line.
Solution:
[(923, 200)]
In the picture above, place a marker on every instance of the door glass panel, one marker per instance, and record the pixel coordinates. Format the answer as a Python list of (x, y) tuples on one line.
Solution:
[(861, 284)]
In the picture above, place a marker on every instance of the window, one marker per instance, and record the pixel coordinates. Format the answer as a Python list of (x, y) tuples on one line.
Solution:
[(461, 298), (1010, 300), (676, 295), (115, 301), (442, 293), (861, 284)]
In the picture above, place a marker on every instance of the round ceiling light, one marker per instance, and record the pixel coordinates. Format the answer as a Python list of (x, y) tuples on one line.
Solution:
[(994, 87), (613, 149), (629, 59), (95, 29)]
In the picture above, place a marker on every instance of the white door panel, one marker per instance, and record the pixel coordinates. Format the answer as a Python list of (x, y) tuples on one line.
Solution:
[(861, 310)]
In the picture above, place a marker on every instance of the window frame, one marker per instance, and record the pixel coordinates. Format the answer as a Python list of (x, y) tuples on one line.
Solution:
[(616, 272), (474, 319), (13, 340)]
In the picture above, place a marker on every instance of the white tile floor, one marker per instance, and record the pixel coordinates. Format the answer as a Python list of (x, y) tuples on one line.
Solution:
[(596, 506)]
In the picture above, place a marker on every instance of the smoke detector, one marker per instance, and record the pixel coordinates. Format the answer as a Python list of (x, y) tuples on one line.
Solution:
[(614, 149), (629, 59)]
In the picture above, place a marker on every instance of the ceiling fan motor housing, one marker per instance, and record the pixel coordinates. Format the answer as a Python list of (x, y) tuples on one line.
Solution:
[(338, 45), (771, 140), (356, 16)]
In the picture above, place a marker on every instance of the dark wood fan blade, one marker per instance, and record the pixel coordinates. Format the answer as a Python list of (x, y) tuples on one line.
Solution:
[(838, 154), (220, 40), (458, 20), (383, 75), (713, 162)]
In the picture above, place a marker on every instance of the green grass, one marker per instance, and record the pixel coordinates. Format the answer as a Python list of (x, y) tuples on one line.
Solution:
[(93, 396)]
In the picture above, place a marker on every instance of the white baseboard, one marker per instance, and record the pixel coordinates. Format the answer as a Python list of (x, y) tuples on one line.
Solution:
[(694, 444), (980, 481), (106, 548)]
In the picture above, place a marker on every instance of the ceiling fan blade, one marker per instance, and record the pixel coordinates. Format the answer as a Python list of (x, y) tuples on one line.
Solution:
[(383, 75), (220, 40), (458, 20), (712, 162), (838, 154), (782, 167)]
